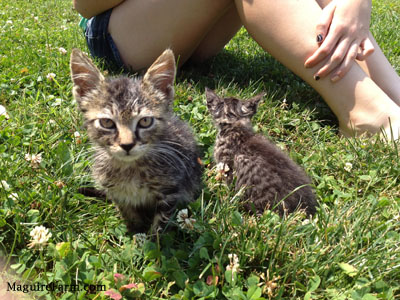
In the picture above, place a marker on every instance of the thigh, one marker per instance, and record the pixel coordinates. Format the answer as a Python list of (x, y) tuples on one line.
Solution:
[(218, 36), (142, 29), (285, 29)]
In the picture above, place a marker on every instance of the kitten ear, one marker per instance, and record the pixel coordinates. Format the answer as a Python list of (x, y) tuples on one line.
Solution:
[(85, 75), (161, 74), (212, 102), (212, 97), (249, 107)]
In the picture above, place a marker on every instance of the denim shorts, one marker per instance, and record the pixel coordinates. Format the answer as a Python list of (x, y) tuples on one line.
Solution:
[(100, 43)]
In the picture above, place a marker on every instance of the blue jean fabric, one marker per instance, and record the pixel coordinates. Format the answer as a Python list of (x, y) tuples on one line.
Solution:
[(100, 43)]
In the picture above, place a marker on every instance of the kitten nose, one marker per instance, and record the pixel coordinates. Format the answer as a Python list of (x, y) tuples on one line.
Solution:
[(127, 147)]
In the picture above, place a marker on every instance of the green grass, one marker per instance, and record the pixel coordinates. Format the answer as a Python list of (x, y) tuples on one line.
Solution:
[(350, 250)]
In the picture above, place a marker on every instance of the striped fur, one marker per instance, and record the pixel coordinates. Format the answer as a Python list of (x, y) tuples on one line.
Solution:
[(270, 179), (145, 157)]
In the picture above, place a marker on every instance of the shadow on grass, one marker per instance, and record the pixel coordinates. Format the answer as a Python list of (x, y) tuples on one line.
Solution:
[(260, 72)]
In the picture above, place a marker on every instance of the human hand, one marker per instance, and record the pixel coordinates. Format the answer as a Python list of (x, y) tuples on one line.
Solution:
[(343, 35)]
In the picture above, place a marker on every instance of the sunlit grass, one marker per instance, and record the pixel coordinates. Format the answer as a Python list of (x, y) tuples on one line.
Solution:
[(350, 250)]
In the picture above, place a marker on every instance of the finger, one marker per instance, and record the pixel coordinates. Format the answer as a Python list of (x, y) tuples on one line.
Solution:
[(342, 70), (366, 49), (326, 48), (335, 59), (325, 21)]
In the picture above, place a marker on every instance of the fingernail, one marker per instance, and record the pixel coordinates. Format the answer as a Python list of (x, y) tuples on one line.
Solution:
[(319, 38), (335, 78), (316, 77)]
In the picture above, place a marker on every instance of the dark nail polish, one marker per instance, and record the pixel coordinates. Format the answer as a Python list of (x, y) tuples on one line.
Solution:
[(319, 38), (316, 77)]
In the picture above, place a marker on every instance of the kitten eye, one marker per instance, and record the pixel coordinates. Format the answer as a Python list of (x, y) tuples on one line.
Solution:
[(145, 122), (107, 123)]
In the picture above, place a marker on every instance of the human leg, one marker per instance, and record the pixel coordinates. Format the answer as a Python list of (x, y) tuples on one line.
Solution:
[(382, 73), (219, 35), (286, 29), (378, 68), (143, 29)]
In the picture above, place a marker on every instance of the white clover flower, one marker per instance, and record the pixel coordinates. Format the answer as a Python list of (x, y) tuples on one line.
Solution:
[(348, 166), (36, 19), (222, 167), (233, 263), (3, 111), (282, 146), (188, 224), (40, 236), (62, 50), (5, 185), (50, 76), (222, 170), (57, 102), (284, 104), (9, 22), (184, 221), (77, 136), (13, 196), (140, 239), (35, 159), (182, 215)]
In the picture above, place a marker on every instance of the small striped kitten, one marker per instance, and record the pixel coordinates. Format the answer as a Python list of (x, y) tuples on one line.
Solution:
[(145, 158), (270, 179)]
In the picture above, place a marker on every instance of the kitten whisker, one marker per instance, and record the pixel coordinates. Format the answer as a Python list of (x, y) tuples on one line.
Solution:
[(175, 150), (170, 157)]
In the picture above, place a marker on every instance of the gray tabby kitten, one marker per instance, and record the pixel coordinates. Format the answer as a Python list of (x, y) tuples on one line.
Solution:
[(267, 174), (145, 158)]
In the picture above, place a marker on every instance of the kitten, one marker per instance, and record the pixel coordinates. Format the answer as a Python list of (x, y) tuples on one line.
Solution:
[(145, 158), (266, 173)]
